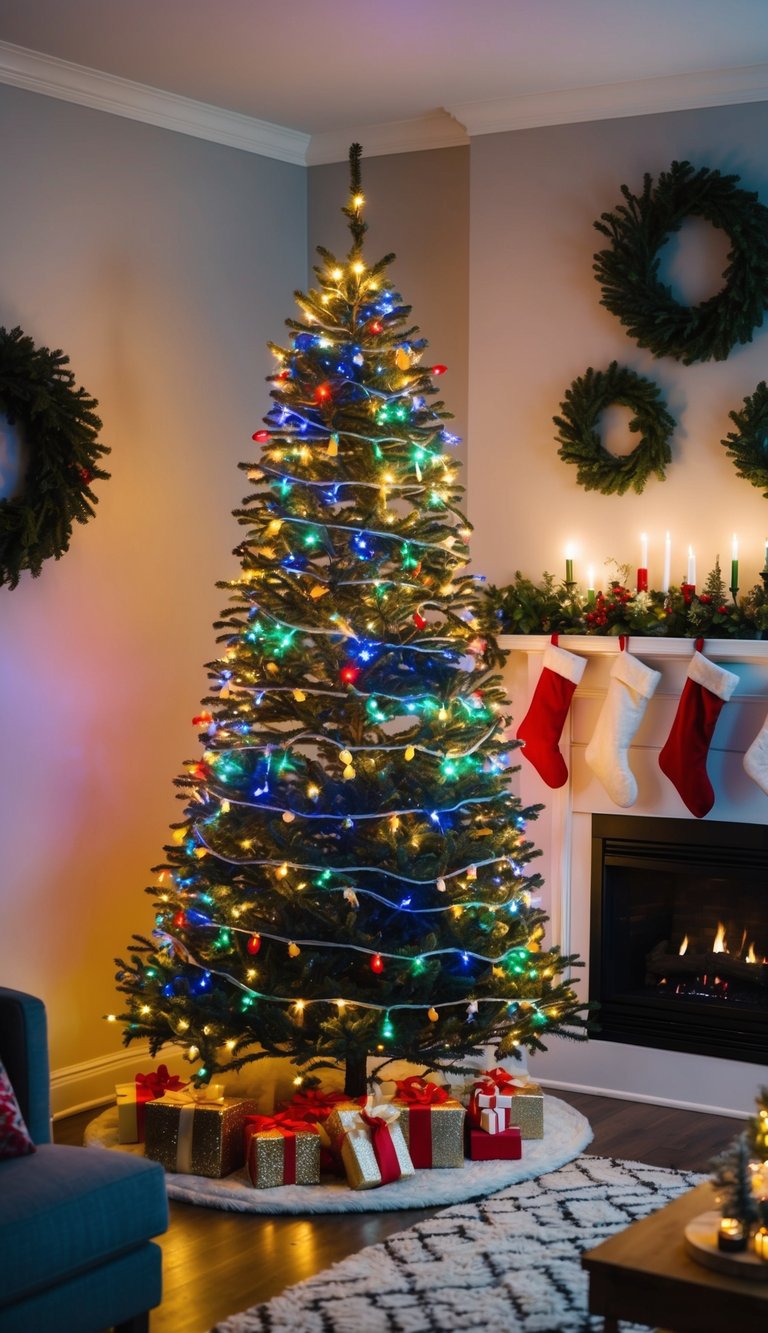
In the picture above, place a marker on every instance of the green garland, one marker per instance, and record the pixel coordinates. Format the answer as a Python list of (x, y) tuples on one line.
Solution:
[(580, 443), (548, 607), (628, 270), (57, 430), (747, 445)]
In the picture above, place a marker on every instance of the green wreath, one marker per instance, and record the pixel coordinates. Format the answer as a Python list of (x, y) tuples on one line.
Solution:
[(580, 442), (57, 429), (628, 271), (747, 445)]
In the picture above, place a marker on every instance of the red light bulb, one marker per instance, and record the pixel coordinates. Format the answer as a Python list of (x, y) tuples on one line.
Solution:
[(261, 435), (349, 673), (419, 620), (377, 326), (439, 370), (377, 963), (322, 393), (254, 944), (180, 920)]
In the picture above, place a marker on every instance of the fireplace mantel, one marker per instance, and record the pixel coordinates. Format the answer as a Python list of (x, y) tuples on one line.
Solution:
[(646, 646), (562, 831)]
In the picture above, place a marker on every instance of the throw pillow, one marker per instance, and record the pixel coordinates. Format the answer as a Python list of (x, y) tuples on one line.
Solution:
[(14, 1135)]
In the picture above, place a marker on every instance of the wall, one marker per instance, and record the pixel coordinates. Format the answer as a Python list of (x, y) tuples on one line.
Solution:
[(536, 323), (161, 264), (417, 205)]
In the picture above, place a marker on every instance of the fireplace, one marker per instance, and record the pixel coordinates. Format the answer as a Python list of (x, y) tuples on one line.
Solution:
[(679, 935)]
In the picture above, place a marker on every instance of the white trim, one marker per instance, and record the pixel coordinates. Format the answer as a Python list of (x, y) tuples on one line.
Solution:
[(716, 679), (92, 1082), (639, 1097), (69, 82), (716, 650), (611, 101), (437, 129)]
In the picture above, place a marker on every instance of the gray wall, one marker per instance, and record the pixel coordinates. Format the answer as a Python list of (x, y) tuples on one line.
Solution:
[(537, 323), (161, 264)]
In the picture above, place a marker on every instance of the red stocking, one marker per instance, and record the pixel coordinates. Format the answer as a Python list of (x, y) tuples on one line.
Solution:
[(542, 726), (684, 756)]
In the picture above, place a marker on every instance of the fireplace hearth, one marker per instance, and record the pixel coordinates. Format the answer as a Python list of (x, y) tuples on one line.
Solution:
[(679, 935)]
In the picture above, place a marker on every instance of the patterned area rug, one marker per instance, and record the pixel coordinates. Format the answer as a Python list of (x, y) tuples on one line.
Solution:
[(508, 1262), (566, 1134)]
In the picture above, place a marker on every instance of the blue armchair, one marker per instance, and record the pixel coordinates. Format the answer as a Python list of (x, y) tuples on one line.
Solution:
[(76, 1253)]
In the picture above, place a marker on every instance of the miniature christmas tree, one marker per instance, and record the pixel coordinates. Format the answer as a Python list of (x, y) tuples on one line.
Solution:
[(350, 873), (733, 1180), (758, 1128)]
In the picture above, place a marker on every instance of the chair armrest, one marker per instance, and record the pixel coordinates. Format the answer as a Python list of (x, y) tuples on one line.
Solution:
[(24, 1053)]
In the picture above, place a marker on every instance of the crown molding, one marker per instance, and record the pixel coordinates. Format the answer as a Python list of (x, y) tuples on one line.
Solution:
[(436, 129), (136, 101), (611, 101)]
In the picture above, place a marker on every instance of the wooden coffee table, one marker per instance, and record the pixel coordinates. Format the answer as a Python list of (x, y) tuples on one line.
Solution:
[(644, 1274)]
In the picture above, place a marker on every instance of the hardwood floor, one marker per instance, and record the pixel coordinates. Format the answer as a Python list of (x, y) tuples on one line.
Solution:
[(216, 1264)]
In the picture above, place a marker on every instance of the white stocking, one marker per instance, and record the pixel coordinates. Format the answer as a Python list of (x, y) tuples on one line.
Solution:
[(631, 686)]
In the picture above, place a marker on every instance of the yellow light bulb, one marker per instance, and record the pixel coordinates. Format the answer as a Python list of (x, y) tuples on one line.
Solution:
[(145, 1009), (358, 201), (300, 1006), (313, 792), (230, 1045), (340, 1004), (293, 950), (111, 1018), (432, 1015), (337, 273), (193, 1052), (443, 714), (282, 870), (183, 1024), (358, 267)]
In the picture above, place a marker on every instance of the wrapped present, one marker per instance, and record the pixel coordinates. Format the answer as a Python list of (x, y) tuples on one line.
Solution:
[(315, 1105), (432, 1122), (281, 1151), (506, 1146), (515, 1093), (495, 1120), (198, 1131), (133, 1097), (371, 1144)]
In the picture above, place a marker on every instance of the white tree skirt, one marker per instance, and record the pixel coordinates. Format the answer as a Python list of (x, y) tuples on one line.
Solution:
[(566, 1134)]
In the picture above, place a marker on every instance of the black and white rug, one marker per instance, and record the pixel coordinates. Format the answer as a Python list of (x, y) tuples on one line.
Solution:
[(510, 1261)]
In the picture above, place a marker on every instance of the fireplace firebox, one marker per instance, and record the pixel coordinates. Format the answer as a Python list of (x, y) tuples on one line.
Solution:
[(679, 935)]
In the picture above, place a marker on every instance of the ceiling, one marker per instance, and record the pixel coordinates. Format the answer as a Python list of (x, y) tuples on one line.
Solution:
[(325, 67)]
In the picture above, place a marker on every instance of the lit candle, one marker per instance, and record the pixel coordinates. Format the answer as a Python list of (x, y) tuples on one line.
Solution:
[(591, 583), (731, 1234), (761, 1243), (691, 580), (734, 563), (642, 573), (667, 563), (569, 564)]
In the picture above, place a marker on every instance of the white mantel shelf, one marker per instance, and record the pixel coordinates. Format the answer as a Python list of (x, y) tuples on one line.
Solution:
[(596, 645)]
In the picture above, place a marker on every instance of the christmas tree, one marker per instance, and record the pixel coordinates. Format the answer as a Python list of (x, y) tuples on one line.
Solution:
[(350, 874)]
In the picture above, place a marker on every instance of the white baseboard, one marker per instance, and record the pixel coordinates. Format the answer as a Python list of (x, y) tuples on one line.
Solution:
[(675, 1103), (91, 1083)]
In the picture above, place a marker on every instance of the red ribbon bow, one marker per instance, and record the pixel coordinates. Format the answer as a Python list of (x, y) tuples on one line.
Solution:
[(157, 1082), (419, 1092), (313, 1104), (503, 1079)]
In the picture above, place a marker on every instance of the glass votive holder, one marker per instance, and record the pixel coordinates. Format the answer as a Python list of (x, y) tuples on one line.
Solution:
[(732, 1235)]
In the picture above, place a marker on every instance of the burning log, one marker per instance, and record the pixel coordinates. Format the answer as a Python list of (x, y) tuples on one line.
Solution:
[(662, 962)]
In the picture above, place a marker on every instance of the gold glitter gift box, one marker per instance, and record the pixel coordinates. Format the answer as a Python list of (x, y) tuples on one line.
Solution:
[(433, 1123), (366, 1165), (198, 1133), (282, 1154), (527, 1111), (518, 1097)]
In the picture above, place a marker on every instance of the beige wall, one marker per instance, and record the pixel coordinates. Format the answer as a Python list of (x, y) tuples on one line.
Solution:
[(536, 323), (417, 205), (161, 264)]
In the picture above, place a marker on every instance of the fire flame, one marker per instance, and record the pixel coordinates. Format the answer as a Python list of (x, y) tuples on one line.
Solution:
[(684, 946), (751, 955), (719, 945)]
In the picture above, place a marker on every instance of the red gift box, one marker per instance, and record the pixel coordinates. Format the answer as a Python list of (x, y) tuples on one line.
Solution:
[(506, 1146)]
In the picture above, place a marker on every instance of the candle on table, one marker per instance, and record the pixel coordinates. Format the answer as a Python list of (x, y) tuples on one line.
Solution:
[(691, 580), (731, 1235), (734, 563), (642, 573), (591, 583), (667, 563), (760, 1243)]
